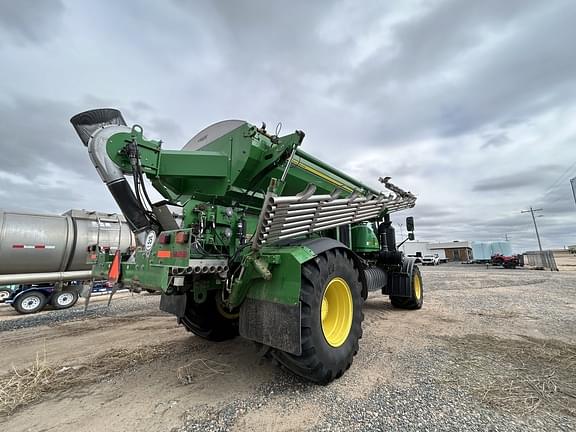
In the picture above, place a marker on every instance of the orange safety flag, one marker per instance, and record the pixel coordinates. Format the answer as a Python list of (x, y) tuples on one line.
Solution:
[(115, 268)]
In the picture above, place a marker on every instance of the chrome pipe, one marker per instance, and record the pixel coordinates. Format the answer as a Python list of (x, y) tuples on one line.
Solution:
[(305, 204), (290, 230), (30, 278), (281, 225), (294, 234), (352, 210), (292, 199), (296, 211), (341, 221), (369, 210), (290, 219), (325, 203), (366, 216)]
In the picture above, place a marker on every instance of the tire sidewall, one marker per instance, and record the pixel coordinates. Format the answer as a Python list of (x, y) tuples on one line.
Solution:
[(8, 294), (54, 300), (327, 354), (417, 302), (23, 297)]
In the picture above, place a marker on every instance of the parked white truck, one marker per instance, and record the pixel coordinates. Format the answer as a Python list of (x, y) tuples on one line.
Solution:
[(421, 252)]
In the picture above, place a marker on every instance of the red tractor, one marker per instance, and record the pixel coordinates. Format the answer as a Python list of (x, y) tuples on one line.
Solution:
[(508, 262)]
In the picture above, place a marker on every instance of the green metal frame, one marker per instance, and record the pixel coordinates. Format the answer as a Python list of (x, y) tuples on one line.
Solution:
[(220, 185)]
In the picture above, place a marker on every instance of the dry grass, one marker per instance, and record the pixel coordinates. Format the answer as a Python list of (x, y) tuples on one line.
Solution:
[(27, 385), (200, 370), (516, 376), (23, 386)]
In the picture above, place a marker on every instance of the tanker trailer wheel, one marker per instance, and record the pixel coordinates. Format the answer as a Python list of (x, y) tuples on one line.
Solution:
[(4, 294), (30, 302), (416, 299), (210, 320), (331, 324), (64, 299)]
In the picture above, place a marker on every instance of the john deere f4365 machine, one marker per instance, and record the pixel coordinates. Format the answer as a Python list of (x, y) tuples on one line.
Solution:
[(273, 244)]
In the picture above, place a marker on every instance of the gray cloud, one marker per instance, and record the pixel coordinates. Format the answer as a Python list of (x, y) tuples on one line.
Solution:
[(458, 67), (518, 180), (469, 105), (35, 132), (30, 21), (496, 140)]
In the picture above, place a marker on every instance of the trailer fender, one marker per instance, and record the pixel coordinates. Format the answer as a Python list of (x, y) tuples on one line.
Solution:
[(41, 290)]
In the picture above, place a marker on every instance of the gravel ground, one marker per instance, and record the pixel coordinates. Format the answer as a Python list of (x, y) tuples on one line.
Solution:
[(425, 407), (421, 405), (118, 307), (492, 350), (427, 391)]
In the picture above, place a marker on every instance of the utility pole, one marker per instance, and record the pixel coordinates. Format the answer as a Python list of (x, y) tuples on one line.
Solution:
[(531, 211), (573, 184), (506, 237), (401, 231)]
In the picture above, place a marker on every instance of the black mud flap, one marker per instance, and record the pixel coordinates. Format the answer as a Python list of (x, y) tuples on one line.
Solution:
[(400, 283), (272, 324), (174, 304)]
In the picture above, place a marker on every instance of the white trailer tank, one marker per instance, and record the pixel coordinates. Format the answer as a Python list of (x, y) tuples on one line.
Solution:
[(41, 243)]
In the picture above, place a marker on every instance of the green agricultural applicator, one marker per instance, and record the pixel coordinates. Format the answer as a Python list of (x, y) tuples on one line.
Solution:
[(273, 244)]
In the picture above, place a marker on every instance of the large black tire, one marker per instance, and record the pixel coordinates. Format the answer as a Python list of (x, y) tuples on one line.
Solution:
[(416, 299), (320, 362), (30, 302), (64, 299), (208, 320)]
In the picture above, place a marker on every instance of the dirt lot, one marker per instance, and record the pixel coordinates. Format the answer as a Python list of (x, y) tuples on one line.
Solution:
[(492, 349)]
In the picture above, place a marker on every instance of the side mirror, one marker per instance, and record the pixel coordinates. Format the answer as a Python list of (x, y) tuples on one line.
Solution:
[(411, 236), (409, 224)]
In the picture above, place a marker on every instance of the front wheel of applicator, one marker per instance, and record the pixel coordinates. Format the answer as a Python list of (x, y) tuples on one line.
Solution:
[(416, 298), (331, 318)]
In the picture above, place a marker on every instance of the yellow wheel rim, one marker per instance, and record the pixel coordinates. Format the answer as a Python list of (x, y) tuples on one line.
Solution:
[(337, 311), (417, 287)]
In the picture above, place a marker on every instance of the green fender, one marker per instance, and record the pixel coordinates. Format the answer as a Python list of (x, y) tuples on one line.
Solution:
[(270, 311)]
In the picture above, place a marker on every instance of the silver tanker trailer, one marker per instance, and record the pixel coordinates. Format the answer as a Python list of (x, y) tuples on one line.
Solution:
[(41, 250)]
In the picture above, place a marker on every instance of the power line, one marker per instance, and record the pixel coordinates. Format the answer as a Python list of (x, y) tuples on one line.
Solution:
[(558, 182), (531, 211), (573, 184), (559, 179)]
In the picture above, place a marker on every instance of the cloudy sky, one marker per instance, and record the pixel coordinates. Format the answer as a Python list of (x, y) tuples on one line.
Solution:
[(470, 105)]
